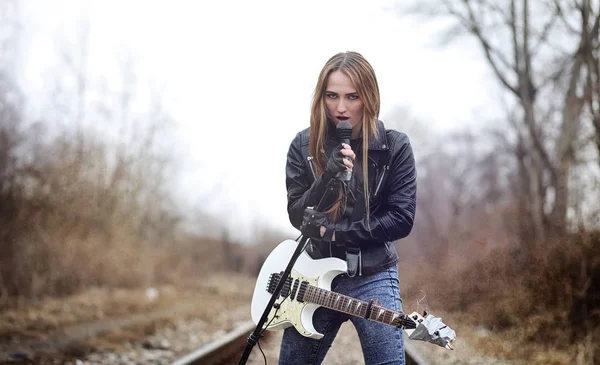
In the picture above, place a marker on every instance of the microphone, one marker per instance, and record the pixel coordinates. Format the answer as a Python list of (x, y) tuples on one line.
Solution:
[(343, 130)]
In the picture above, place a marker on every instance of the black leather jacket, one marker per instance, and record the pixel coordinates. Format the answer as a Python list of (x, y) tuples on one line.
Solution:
[(393, 189)]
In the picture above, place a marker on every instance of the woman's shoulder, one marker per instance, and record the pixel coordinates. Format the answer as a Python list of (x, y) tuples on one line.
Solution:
[(399, 144), (393, 136), (301, 138), (396, 137)]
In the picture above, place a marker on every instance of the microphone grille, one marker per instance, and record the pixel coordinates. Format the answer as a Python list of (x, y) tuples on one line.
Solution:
[(344, 130)]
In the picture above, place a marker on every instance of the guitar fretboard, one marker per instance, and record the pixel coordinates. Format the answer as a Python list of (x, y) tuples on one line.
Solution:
[(351, 306)]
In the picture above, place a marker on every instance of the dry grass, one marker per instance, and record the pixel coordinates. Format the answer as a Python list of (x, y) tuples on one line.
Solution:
[(208, 298), (81, 209), (543, 308)]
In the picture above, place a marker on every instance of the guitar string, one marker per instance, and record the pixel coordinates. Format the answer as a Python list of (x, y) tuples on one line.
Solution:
[(326, 297), (321, 295), (339, 301), (329, 298)]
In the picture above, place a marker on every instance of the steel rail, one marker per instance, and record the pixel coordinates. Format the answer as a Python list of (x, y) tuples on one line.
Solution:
[(217, 352), (227, 349)]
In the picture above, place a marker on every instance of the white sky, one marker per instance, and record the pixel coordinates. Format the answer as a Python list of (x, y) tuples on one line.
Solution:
[(235, 71)]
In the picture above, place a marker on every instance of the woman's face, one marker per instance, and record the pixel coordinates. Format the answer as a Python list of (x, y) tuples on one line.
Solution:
[(342, 101)]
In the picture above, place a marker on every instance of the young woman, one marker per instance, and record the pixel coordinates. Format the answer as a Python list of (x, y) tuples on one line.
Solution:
[(356, 220)]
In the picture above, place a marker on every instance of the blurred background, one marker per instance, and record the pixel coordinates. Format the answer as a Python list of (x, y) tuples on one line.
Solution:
[(144, 143)]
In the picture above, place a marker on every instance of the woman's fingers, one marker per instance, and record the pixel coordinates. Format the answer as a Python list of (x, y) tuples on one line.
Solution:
[(347, 151)]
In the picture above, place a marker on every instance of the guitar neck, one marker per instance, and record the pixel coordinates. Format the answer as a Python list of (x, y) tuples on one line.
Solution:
[(352, 306)]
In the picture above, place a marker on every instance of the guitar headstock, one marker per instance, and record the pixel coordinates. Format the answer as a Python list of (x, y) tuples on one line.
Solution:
[(429, 328)]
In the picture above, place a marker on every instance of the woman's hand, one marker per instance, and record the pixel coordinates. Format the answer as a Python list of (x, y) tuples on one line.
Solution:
[(315, 224), (337, 163)]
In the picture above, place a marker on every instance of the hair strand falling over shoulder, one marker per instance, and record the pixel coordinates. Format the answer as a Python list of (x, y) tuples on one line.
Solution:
[(362, 75)]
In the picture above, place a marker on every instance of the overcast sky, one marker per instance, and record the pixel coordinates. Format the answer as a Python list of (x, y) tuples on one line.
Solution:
[(238, 77)]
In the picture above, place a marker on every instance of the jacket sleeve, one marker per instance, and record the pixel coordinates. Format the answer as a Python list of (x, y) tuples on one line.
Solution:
[(394, 219), (300, 192)]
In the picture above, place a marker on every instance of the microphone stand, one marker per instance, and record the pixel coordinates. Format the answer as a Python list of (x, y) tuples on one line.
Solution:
[(255, 335)]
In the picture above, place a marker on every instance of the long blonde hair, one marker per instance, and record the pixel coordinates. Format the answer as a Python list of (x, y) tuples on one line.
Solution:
[(362, 75)]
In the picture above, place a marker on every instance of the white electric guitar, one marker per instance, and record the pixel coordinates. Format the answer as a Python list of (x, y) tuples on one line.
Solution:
[(307, 288)]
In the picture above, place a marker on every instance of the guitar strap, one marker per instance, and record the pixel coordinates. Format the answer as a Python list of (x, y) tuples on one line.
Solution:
[(353, 252)]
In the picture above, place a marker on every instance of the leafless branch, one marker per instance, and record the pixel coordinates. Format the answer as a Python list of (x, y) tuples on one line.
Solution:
[(543, 37), (558, 71), (494, 7), (474, 27), (561, 15), (589, 50), (526, 51)]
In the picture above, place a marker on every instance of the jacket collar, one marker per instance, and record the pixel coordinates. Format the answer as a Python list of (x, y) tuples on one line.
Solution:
[(380, 143)]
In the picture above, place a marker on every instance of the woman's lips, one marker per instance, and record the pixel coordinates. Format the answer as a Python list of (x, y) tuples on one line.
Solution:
[(342, 118)]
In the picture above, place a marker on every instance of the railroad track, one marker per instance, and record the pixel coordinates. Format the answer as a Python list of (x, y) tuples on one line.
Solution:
[(223, 351), (228, 349)]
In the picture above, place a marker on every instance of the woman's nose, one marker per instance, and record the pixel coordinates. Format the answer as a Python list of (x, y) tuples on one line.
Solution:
[(341, 106)]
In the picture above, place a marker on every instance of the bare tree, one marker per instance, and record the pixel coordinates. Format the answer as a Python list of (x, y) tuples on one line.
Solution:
[(461, 183), (11, 139), (590, 60), (529, 47)]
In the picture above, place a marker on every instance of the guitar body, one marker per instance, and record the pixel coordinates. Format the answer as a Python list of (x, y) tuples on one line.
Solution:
[(291, 312), (309, 287)]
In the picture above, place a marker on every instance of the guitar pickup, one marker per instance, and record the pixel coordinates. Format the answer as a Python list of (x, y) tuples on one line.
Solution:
[(285, 291), (302, 291), (295, 288), (274, 280)]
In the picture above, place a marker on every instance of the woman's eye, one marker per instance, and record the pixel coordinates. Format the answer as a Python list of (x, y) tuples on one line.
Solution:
[(331, 96), (353, 97)]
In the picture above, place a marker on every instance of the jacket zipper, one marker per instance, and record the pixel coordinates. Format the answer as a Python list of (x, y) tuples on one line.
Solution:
[(312, 168), (359, 263), (385, 168)]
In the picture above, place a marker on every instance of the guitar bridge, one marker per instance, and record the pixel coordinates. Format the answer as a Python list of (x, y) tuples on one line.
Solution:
[(272, 283)]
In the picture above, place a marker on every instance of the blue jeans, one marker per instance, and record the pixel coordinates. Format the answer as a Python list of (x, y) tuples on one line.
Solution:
[(381, 343)]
